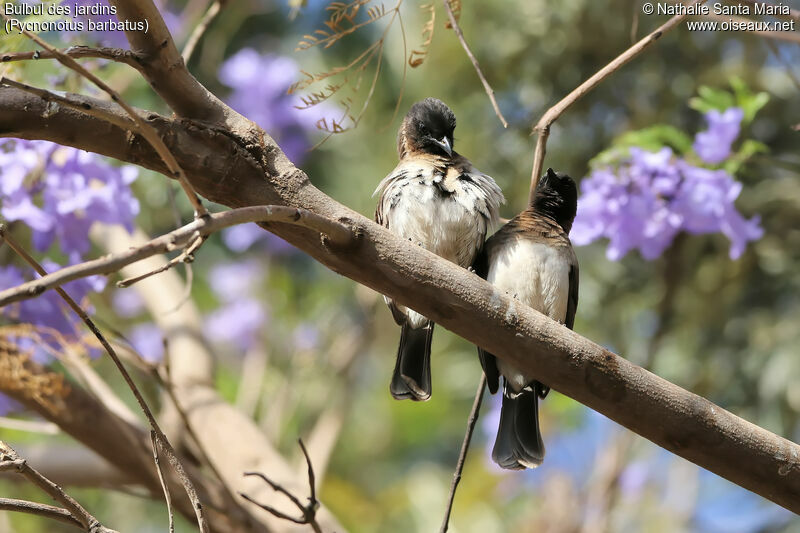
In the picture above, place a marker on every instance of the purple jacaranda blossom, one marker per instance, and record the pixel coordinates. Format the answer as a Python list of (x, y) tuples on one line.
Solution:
[(714, 144), (48, 310), (259, 84), (650, 197), (127, 303), (60, 192), (242, 316), (148, 341), (232, 281), (241, 237), (238, 323)]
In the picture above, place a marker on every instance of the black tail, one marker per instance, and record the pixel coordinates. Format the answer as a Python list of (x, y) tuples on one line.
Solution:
[(412, 371), (519, 443)]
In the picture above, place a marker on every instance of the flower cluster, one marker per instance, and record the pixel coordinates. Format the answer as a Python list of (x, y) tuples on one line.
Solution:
[(649, 197), (59, 193), (242, 316)]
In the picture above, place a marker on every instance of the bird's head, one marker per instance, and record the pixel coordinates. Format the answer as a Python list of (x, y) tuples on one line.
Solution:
[(427, 128), (557, 197)]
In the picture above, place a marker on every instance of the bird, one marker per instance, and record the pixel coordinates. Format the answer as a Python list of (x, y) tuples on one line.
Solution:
[(437, 199), (531, 259)]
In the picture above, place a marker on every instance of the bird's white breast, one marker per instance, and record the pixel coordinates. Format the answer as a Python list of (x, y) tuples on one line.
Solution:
[(535, 274)]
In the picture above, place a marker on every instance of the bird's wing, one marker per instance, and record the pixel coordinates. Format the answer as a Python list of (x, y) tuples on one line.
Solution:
[(488, 361), (572, 303)]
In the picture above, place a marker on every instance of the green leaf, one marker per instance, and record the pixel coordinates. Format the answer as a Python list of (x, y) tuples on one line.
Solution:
[(652, 139)]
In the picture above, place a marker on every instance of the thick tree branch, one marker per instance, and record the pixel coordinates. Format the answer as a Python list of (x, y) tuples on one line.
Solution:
[(673, 418), (542, 128)]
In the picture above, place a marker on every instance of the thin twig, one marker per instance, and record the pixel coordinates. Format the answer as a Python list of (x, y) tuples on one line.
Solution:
[(142, 127), (9, 460), (164, 487), (191, 44), (542, 128), (465, 46), (309, 511), (118, 55), (40, 509), (336, 233), (186, 256), (168, 449), (462, 456)]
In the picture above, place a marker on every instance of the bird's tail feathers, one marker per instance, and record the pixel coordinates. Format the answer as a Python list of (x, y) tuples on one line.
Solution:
[(412, 371), (519, 442)]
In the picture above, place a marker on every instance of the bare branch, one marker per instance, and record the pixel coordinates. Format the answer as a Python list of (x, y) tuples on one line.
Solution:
[(40, 509), (186, 256), (9, 460), (471, 56), (309, 512), (462, 455), (191, 44), (142, 127), (334, 232), (118, 55), (170, 452), (164, 486), (542, 128)]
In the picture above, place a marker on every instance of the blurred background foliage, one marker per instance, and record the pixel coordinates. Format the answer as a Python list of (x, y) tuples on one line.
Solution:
[(309, 344)]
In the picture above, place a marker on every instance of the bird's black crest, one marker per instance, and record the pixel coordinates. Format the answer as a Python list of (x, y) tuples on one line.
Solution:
[(428, 121), (557, 197)]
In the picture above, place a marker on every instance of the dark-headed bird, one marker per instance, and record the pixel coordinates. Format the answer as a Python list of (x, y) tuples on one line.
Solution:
[(438, 200), (530, 259)]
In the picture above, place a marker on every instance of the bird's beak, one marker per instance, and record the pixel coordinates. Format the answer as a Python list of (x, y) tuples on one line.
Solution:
[(444, 143)]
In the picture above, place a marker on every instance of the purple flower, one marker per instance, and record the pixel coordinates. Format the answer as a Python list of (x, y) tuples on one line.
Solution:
[(127, 303), (259, 84), (714, 144), (241, 237), (60, 192), (148, 341), (651, 197), (232, 281), (239, 323), (48, 309)]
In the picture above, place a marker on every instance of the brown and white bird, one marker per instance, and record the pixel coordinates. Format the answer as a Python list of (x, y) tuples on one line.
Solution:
[(531, 259), (437, 199)]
